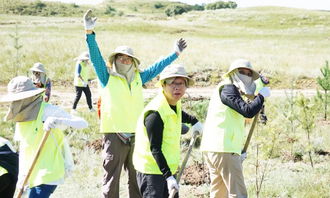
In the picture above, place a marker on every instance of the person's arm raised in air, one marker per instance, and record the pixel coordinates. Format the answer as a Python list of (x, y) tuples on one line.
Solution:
[(94, 52), (153, 70)]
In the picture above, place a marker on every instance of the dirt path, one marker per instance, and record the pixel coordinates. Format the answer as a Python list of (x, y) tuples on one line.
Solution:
[(65, 97)]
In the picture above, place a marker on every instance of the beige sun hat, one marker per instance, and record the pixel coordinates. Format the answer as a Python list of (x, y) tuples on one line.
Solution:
[(174, 70), (19, 88), (38, 67), (124, 50), (242, 63), (83, 56)]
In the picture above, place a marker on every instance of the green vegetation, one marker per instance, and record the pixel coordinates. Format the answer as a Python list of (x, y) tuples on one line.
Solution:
[(324, 82)]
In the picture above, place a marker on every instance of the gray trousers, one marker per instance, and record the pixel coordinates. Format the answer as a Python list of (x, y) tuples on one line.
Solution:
[(117, 154)]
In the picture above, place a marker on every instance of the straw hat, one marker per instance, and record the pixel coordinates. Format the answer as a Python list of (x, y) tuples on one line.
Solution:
[(19, 88), (38, 67), (174, 70), (242, 63), (123, 50), (82, 57)]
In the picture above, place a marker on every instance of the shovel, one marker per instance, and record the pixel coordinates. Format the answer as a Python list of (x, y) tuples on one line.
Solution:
[(184, 162), (248, 139), (41, 145)]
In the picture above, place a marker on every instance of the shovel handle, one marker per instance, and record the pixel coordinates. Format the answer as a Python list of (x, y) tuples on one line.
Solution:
[(41, 145), (248, 139), (173, 192)]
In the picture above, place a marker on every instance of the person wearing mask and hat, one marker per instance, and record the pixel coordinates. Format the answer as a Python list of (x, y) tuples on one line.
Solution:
[(40, 79), (122, 102), (33, 118), (156, 154), (8, 169), (222, 142), (81, 80)]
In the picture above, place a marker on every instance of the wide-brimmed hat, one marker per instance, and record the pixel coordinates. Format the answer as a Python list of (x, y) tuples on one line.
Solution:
[(19, 88), (123, 50), (172, 71), (38, 67), (83, 56), (242, 63)]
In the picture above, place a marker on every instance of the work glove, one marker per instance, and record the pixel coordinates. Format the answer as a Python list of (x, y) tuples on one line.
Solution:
[(179, 45), (51, 123), (89, 20), (243, 156), (265, 92), (172, 183), (197, 129)]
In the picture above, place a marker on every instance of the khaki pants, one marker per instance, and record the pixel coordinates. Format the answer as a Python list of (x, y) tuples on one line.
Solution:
[(226, 175), (117, 154)]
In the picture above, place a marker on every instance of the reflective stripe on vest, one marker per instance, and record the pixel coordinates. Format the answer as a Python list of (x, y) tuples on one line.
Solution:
[(84, 73), (121, 105), (143, 160), (224, 127), (3, 171), (50, 164)]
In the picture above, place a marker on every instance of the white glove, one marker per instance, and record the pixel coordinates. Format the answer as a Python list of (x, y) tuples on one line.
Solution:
[(51, 123), (179, 45), (265, 92), (197, 128), (243, 156), (85, 84), (89, 20), (172, 183)]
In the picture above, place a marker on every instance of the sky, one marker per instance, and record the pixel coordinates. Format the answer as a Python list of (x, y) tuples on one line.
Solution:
[(306, 4)]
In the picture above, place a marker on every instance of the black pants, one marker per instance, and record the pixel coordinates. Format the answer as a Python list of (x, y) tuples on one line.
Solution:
[(88, 95), (152, 186), (7, 185)]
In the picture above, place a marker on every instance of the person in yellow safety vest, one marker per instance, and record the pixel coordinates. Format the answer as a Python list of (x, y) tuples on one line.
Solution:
[(156, 154), (81, 80), (8, 169), (33, 117), (223, 137), (122, 103), (40, 79)]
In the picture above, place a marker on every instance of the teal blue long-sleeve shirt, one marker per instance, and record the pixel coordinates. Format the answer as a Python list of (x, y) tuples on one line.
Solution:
[(102, 71)]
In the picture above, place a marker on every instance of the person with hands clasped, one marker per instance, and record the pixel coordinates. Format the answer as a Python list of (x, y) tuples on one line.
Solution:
[(223, 138), (81, 80), (122, 103), (33, 117), (156, 154)]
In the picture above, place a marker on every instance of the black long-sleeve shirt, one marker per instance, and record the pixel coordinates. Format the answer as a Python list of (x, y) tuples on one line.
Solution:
[(231, 97), (155, 126)]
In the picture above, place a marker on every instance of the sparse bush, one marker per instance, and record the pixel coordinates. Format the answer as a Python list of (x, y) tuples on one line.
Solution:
[(110, 10), (158, 5), (221, 5)]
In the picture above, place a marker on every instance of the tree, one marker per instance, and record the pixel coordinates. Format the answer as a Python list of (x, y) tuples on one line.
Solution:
[(324, 82)]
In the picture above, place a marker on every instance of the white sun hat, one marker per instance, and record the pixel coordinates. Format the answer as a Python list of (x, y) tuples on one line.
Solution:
[(242, 63), (19, 88), (38, 67), (172, 71), (124, 50), (83, 56)]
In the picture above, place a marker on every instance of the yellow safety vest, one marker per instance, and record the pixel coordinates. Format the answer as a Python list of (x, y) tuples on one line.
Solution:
[(50, 164), (143, 160), (121, 105), (224, 127), (84, 73), (259, 85)]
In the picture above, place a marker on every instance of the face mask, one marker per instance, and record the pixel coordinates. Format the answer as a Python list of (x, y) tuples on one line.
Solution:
[(123, 69), (247, 80), (244, 83)]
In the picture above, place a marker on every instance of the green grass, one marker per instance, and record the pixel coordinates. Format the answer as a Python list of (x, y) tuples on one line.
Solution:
[(277, 40)]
